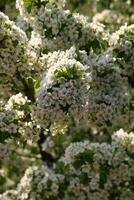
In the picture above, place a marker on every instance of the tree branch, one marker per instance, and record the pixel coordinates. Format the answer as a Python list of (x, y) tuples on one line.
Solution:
[(31, 96), (44, 155)]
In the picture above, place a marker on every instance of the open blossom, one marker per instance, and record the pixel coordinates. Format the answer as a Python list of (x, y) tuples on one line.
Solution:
[(16, 100)]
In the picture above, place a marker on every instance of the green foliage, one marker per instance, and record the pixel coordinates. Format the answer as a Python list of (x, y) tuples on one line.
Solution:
[(83, 158), (31, 4), (69, 73)]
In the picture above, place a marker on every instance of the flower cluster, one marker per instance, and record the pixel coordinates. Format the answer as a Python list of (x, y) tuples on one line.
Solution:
[(46, 180), (122, 43), (15, 119), (12, 47), (9, 194), (87, 89), (12, 55), (109, 96), (86, 171), (111, 19), (61, 95), (53, 27), (124, 7)]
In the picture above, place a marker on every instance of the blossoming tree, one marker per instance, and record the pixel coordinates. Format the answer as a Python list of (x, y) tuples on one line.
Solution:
[(67, 102)]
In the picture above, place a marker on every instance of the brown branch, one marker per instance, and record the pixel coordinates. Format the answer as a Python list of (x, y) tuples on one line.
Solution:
[(31, 96), (44, 155)]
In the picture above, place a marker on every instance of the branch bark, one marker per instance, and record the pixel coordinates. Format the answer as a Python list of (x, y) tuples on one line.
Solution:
[(31, 96), (44, 155)]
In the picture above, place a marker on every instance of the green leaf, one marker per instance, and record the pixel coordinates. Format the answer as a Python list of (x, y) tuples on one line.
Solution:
[(96, 45), (30, 83), (69, 73), (29, 4), (2, 42), (36, 84), (33, 84), (4, 136), (131, 183), (84, 179), (84, 157), (104, 171), (61, 168), (15, 43), (49, 183), (78, 163)]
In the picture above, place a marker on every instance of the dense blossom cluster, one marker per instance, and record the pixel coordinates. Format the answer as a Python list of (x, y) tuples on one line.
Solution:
[(53, 26), (87, 171), (122, 9), (67, 102), (122, 43), (63, 90), (13, 56), (110, 19), (11, 37), (15, 119), (91, 90)]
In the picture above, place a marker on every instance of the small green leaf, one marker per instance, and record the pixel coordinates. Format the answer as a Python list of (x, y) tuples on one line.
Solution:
[(29, 4), (78, 163), (104, 172), (30, 83), (69, 73), (33, 84), (36, 84)]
